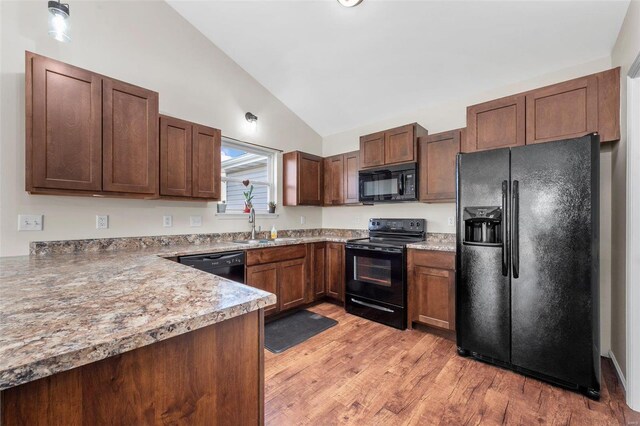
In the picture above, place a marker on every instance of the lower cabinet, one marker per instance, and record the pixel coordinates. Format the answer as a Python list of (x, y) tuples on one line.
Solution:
[(281, 271), (431, 288), (292, 280), (335, 270), (264, 277), (317, 277)]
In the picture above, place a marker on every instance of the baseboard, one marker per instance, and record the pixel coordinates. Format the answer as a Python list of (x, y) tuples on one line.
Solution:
[(618, 371)]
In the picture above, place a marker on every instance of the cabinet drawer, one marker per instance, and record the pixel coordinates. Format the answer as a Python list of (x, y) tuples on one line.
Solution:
[(432, 259), (275, 254)]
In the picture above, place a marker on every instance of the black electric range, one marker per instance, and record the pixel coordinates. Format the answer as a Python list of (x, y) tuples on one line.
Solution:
[(376, 270)]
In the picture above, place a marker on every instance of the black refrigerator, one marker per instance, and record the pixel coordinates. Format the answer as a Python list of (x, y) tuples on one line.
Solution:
[(527, 285)]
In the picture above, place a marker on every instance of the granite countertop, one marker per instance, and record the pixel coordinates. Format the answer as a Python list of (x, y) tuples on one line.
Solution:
[(434, 245), (62, 310)]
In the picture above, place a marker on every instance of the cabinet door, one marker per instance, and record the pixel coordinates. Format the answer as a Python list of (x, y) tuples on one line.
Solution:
[(292, 280), (175, 157), (334, 180), (438, 166), (130, 138), (372, 150), (206, 162), (400, 145), (562, 111), (64, 140), (310, 179), (351, 184), (434, 297), (318, 270), (335, 271), (495, 124), (265, 277)]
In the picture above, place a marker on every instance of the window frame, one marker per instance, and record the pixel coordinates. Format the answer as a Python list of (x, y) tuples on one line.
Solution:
[(272, 161)]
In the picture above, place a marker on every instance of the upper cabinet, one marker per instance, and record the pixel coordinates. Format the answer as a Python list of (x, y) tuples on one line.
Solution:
[(496, 124), (560, 111), (341, 179), (189, 159), (438, 165), (88, 134), (393, 146), (334, 180), (129, 138), (303, 179)]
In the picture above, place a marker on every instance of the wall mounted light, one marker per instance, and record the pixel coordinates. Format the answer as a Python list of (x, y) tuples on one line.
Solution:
[(59, 25), (252, 121), (349, 3)]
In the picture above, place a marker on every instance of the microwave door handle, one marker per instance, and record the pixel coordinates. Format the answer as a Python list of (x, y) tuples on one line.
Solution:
[(401, 184)]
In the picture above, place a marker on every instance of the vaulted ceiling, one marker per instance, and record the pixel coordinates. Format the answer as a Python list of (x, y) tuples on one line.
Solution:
[(338, 68)]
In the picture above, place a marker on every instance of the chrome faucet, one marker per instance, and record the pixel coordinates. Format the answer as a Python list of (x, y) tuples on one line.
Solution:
[(252, 221)]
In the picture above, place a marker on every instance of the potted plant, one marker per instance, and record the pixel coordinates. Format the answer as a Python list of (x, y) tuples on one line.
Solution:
[(248, 196), (272, 207), (222, 206)]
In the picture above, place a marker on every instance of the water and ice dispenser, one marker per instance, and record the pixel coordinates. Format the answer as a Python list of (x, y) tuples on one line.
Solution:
[(483, 225)]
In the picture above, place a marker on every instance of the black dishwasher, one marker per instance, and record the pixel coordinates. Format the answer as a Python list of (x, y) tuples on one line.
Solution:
[(228, 265)]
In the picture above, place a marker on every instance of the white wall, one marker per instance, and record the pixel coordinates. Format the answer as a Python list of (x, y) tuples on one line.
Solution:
[(450, 116), (147, 44), (625, 51)]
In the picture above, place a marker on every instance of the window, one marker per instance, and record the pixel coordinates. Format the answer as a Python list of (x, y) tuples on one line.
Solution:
[(242, 161)]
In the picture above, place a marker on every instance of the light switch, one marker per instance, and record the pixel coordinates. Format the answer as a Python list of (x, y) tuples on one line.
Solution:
[(30, 222)]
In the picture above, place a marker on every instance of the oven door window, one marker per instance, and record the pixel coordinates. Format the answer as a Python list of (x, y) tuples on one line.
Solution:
[(375, 275), (372, 271)]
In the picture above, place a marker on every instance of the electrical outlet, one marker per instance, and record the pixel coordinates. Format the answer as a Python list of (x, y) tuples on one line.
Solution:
[(167, 221), (30, 222), (303, 220), (195, 221), (102, 221), (451, 221)]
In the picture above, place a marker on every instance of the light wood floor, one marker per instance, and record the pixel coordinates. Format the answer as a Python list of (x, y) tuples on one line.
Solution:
[(364, 373)]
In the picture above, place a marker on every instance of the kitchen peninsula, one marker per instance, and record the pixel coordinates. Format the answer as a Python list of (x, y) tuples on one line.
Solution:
[(157, 341)]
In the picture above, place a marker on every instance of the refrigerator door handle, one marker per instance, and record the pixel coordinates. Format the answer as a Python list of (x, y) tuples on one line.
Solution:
[(515, 242), (505, 254)]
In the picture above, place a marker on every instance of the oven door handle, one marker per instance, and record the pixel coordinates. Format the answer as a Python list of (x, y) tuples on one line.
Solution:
[(371, 305), (375, 250)]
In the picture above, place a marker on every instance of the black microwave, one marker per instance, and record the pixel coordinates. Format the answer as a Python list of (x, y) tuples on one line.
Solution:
[(389, 183)]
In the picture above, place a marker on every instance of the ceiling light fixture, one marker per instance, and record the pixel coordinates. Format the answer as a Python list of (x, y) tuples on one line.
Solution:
[(349, 3), (252, 121), (59, 21)]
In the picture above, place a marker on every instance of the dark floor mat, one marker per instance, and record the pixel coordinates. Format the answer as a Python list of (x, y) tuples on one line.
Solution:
[(284, 333)]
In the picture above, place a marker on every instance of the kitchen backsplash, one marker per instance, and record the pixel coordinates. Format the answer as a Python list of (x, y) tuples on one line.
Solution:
[(130, 243)]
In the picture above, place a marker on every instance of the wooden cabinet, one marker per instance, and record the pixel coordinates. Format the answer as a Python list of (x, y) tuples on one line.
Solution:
[(64, 140), (335, 271), (189, 159), (431, 286), (393, 146), (87, 134), (281, 271), (334, 180), (341, 184), (438, 166), (561, 111), (129, 138), (372, 150), (317, 256), (351, 183), (264, 277), (495, 124), (303, 179), (292, 277)]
